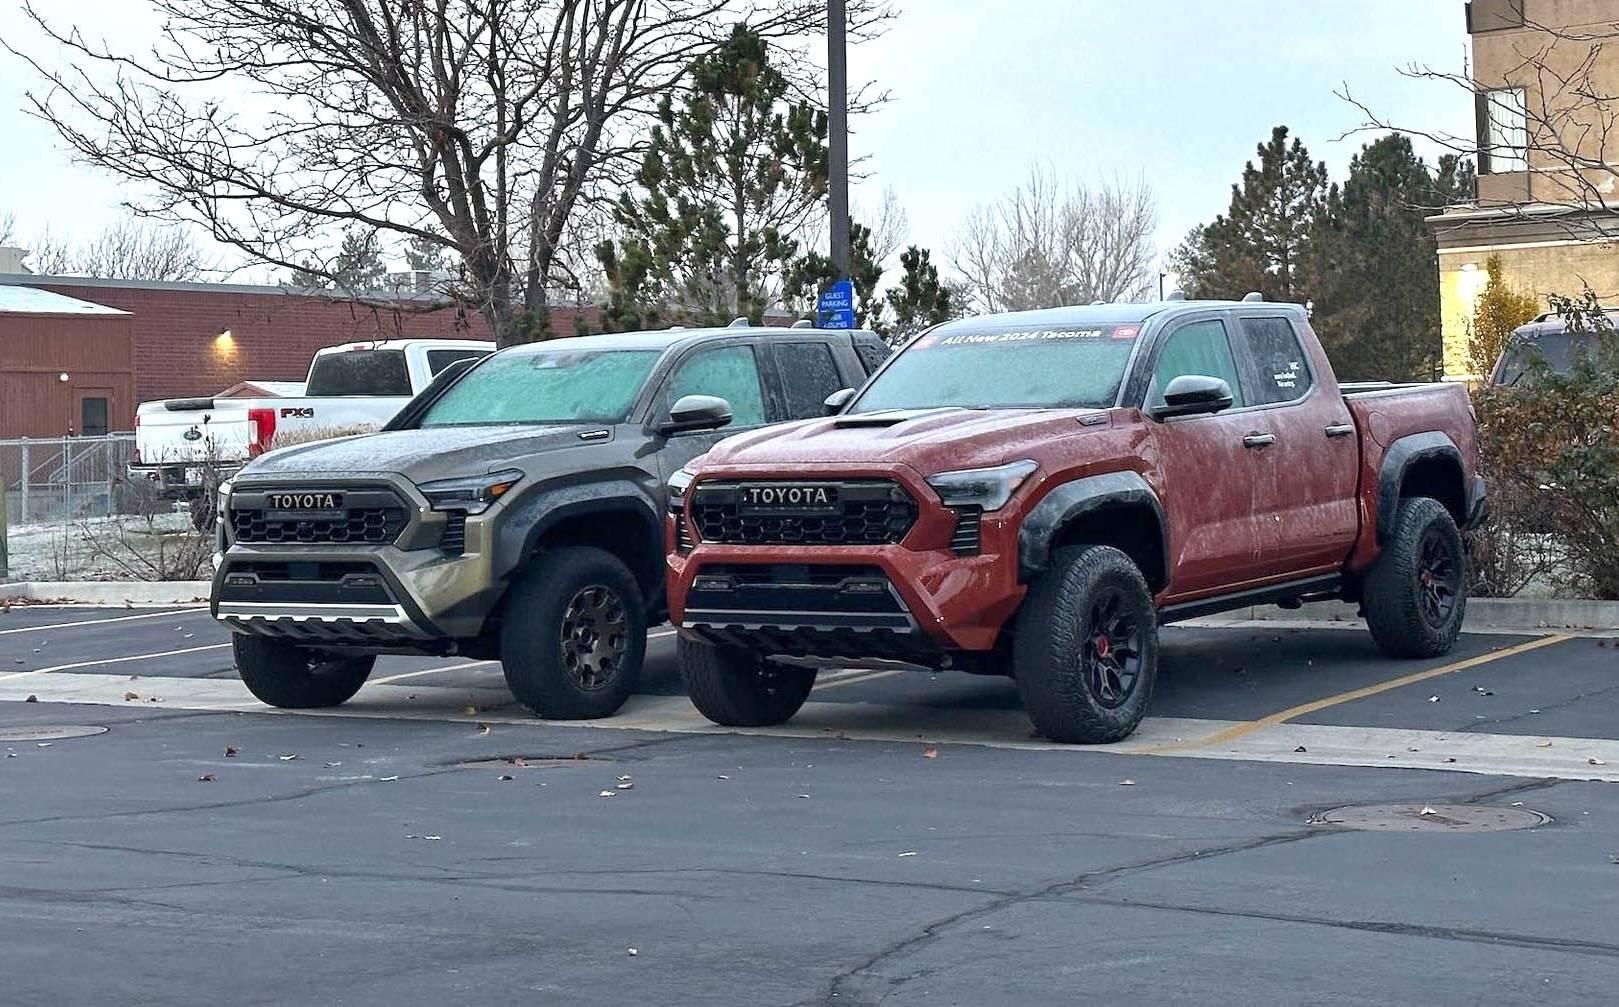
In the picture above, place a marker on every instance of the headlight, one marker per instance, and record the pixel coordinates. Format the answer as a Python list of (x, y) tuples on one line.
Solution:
[(986, 488), (473, 494), (678, 484), (222, 503)]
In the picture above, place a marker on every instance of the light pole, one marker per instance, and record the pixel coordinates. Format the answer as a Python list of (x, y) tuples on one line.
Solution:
[(838, 138)]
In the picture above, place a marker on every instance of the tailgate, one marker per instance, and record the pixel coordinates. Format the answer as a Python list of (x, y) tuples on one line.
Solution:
[(187, 432)]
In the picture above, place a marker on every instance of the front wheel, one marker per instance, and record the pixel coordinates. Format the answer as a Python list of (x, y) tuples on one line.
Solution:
[(297, 678), (573, 635), (1415, 593), (1085, 654), (739, 688)]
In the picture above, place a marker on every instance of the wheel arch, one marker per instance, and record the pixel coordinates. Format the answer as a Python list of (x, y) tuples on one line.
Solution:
[(616, 517), (1426, 464), (1115, 508)]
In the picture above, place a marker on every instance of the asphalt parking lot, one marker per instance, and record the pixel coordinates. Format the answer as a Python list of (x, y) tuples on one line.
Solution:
[(905, 840)]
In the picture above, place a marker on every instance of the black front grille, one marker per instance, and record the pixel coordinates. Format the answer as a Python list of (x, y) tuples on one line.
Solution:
[(967, 538), (356, 526), (683, 541), (868, 512), (454, 538)]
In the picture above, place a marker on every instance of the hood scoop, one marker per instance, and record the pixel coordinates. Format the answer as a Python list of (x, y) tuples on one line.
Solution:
[(886, 417)]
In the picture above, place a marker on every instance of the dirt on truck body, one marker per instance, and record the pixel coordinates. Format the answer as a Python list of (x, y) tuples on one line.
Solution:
[(1033, 494)]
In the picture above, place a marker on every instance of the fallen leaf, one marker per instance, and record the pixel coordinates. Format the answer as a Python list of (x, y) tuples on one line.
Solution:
[(1596, 761), (483, 728), (625, 778), (930, 752), (1534, 711), (908, 853), (505, 776), (1301, 748), (129, 696), (287, 758), (608, 793), (206, 778), (31, 698), (803, 797), (1127, 783), (471, 711), (230, 752), (1433, 699), (626, 785), (1426, 810), (722, 776), (388, 779), (633, 952), (1544, 743), (1450, 758)]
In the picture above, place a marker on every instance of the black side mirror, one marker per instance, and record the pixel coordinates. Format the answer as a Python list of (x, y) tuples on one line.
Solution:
[(1192, 395), (837, 400), (696, 412)]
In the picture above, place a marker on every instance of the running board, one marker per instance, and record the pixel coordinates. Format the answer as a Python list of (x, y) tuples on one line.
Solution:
[(1293, 590)]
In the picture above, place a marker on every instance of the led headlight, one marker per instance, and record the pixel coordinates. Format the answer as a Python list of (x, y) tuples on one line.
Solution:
[(473, 494), (222, 501), (985, 488)]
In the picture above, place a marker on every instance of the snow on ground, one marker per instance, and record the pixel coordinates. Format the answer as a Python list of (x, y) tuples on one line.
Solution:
[(103, 548)]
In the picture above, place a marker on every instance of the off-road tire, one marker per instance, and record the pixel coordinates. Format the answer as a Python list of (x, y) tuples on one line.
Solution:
[(284, 674), (543, 667), (739, 688), (1055, 640), (1407, 617)]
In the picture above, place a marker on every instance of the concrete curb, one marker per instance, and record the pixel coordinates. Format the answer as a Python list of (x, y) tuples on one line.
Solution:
[(1483, 614), (108, 592)]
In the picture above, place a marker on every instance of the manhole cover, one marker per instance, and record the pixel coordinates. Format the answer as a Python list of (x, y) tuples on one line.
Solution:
[(533, 762), (52, 732), (1432, 818)]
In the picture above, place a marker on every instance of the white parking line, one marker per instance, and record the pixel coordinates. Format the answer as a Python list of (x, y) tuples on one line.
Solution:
[(473, 664), (111, 660), (172, 614)]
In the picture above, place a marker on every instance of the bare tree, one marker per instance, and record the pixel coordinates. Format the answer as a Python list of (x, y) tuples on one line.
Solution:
[(479, 124), (1046, 243), (137, 250), (1549, 119), (8, 227)]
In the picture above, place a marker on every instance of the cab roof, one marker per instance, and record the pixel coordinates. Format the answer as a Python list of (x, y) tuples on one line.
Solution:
[(662, 339), (1120, 313)]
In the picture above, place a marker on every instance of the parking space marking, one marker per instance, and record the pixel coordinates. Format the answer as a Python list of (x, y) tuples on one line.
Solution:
[(430, 671), (855, 676), (1248, 727), (110, 660), (176, 613)]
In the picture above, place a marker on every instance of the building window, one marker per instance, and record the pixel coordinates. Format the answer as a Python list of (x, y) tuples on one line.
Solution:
[(1504, 130)]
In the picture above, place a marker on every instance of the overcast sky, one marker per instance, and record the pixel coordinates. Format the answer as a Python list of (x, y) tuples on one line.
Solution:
[(1176, 91)]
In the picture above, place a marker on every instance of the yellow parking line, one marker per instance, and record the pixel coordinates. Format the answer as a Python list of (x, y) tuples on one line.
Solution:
[(111, 660), (1281, 717)]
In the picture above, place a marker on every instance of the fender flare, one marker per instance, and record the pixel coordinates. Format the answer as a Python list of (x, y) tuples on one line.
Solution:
[(518, 537), (1400, 456), (1071, 501)]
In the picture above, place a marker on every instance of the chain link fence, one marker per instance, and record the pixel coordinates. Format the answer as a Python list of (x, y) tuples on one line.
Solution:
[(54, 480)]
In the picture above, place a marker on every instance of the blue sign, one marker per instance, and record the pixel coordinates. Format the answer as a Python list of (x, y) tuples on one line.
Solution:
[(835, 309)]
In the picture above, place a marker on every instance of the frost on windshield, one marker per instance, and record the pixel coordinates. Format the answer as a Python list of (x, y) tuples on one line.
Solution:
[(1048, 367), (566, 386)]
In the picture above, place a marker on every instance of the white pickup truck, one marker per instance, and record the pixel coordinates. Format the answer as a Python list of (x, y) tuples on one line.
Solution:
[(187, 445)]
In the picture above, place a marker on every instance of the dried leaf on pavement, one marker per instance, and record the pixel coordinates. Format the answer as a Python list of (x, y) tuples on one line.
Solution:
[(930, 752), (206, 778), (230, 751), (130, 697)]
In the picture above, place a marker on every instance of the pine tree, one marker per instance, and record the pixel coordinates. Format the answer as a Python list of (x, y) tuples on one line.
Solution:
[(1377, 272), (727, 178), (809, 277), (921, 299), (356, 268), (1263, 241)]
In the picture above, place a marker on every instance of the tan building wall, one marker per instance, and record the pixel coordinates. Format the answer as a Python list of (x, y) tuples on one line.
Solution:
[(1538, 270)]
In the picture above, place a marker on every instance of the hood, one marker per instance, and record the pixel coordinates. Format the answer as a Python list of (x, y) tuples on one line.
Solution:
[(422, 455), (928, 440)]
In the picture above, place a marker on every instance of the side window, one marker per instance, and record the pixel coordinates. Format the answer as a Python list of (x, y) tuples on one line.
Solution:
[(1196, 348), (732, 373), (809, 373), (437, 360), (1280, 366), (872, 350)]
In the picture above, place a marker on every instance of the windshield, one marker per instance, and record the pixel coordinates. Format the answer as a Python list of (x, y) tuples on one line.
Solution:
[(1068, 367), (557, 386), (358, 372)]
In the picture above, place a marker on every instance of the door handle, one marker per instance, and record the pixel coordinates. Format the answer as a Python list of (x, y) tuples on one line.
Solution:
[(1340, 429), (1258, 440)]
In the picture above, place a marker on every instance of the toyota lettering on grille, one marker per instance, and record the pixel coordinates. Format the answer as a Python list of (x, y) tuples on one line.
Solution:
[(304, 501), (805, 498)]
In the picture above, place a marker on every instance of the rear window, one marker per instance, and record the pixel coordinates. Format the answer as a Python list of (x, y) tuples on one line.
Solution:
[(359, 372), (1282, 370), (437, 360)]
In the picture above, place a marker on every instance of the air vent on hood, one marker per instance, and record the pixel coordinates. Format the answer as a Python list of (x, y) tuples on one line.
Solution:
[(884, 417)]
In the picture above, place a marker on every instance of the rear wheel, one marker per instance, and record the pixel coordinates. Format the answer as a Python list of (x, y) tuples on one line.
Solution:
[(573, 635), (284, 674), (739, 688), (1415, 593), (1085, 655)]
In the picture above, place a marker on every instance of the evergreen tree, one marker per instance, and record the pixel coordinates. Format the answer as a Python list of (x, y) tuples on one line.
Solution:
[(1263, 241), (356, 268), (921, 299), (1377, 289), (1455, 181), (427, 254), (727, 178), (809, 277)]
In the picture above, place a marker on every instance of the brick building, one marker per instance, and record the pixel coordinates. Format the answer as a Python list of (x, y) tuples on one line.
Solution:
[(66, 365), (1543, 72)]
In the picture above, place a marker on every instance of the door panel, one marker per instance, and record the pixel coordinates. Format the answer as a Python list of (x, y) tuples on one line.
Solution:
[(1211, 478), (1309, 475)]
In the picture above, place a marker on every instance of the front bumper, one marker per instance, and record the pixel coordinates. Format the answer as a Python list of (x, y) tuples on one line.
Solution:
[(411, 594), (917, 598)]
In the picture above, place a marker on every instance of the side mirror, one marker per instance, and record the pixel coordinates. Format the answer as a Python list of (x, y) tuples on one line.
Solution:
[(696, 412), (1192, 395), (837, 400)]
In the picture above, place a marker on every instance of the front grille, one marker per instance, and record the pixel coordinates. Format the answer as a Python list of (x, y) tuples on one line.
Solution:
[(454, 538), (357, 526), (683, 541), (967, 538), (868, 512)]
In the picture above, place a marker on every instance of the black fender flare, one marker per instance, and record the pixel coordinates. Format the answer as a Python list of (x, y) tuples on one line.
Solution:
[(523, 527), (1071, 501), (1398, 459)]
